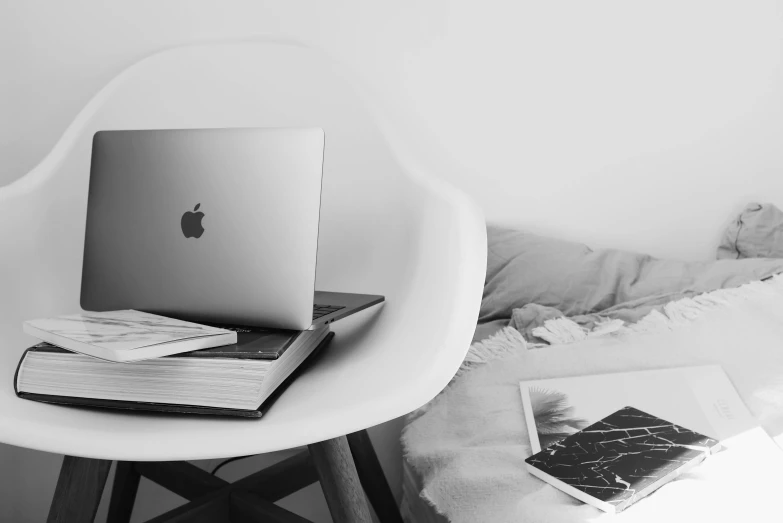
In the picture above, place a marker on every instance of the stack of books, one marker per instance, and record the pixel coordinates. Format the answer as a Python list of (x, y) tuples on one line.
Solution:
[(139, 361)]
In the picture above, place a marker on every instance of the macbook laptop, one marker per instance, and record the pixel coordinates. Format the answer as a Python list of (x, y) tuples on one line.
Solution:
[(212, 225)]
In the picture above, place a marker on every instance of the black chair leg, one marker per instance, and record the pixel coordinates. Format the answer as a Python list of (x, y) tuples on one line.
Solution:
[(78, 491), (372, 478), (123, 492)]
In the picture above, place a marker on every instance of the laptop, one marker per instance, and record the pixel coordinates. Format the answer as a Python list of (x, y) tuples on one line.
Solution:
[(210, 225)]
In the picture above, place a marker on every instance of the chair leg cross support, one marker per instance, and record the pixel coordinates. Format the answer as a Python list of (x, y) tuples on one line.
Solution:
[(346, 466)]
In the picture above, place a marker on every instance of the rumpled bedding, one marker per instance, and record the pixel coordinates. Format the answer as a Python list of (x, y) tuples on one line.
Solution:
[(532, 280)]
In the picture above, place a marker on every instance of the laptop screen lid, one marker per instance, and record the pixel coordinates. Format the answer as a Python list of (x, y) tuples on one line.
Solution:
[(217, 225)]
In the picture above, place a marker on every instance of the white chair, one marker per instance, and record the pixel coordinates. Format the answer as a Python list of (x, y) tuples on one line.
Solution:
[(384, 229)]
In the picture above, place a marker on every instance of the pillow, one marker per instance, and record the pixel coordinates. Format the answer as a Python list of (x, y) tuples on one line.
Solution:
[(756, 233), (571, 277)]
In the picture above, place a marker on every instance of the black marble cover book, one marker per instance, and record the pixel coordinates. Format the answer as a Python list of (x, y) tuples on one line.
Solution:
[(616, 461)]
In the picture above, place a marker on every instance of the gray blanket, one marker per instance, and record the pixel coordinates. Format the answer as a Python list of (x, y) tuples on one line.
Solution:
[(531, 279)]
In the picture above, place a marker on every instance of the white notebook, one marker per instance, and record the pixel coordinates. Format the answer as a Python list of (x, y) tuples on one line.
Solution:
[(127, 335)]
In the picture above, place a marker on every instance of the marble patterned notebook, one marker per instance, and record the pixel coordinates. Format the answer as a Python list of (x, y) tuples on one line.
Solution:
[(621, 458), (127, 335)]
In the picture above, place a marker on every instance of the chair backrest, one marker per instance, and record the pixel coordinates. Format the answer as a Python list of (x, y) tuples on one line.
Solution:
[(384, 229)]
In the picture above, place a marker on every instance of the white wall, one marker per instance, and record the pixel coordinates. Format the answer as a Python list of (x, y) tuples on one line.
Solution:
[(641, 125), (636, 124)]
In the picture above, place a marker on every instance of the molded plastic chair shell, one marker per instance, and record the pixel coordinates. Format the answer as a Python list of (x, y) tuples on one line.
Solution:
[(385, 229)]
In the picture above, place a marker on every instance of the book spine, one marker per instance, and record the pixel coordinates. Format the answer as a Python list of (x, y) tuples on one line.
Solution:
[(18, 368)]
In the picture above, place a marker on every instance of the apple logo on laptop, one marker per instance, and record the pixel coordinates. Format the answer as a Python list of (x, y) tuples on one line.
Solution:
[(191, 223)]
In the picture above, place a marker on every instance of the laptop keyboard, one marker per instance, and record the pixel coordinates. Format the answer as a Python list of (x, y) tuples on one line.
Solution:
[(323, 310)]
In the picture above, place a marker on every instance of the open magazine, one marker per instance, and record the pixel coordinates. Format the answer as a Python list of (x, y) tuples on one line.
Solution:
[(701, 398)]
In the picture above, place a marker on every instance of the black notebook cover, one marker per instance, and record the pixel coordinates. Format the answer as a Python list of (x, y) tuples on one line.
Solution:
[(621, 458), (164, 407)]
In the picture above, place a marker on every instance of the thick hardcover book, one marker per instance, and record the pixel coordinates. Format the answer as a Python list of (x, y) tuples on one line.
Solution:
[(259, 378), (620, 459), (127, 335)]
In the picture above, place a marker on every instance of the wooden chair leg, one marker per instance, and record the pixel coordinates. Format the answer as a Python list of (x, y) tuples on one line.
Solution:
[(123, 492), (79, 489), (339, 481)]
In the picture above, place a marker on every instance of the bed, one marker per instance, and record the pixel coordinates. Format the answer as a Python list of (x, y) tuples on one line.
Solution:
[(556, 308)]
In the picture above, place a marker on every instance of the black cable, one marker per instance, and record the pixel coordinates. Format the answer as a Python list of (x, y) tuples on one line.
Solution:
[(227, 461)]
